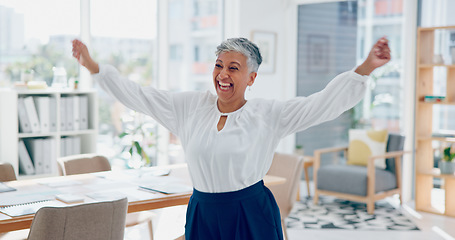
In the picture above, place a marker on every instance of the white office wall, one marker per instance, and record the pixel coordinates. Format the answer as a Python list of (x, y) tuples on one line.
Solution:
[(279, 17)]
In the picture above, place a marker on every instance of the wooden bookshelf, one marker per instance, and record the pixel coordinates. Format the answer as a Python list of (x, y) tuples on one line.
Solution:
[(424, 158)]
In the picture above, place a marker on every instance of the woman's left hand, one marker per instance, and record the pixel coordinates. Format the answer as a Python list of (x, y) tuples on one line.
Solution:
[(378, 56)]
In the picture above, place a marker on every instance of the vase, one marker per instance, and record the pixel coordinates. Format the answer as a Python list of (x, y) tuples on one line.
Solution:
[(446, 167), (298, 151)]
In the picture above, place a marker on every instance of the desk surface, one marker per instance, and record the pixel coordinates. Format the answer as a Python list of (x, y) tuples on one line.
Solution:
[(112, 183)]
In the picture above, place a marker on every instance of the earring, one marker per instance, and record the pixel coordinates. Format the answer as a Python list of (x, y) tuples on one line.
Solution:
[(249, 88)]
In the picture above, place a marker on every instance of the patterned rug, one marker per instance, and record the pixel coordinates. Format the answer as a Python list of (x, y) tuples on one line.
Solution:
[(334, 213)]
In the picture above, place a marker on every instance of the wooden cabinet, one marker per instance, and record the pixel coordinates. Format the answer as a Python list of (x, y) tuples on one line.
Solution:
[(435, 71), (11, 134)]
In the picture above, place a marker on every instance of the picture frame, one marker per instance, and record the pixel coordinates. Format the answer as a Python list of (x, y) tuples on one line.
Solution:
[(318, 53), (266, 41)]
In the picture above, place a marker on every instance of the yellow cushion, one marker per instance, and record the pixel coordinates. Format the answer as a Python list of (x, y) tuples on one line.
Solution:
[(366, 143)]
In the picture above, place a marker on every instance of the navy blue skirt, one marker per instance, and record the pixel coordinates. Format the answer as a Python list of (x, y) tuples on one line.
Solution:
[(250, 213)]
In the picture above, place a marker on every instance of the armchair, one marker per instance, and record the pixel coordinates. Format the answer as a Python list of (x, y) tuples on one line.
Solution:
[(360, 183)]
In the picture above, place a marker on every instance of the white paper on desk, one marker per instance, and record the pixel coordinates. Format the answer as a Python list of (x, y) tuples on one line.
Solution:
[(166, 185), (140, 195), (110, 196), (29, 208), (16, 200), (168, 188), (55, 183)]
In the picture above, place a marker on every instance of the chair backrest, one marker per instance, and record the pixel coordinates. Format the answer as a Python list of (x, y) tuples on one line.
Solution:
[(101, 220), (7, 172), (290, 167), (83, 163), (394, 143)]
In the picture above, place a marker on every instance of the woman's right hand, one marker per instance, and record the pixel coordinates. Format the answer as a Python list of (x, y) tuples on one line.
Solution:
[(80, 52)]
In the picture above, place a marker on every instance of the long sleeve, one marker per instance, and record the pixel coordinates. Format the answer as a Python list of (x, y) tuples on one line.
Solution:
[(148, 100), (341, 94)]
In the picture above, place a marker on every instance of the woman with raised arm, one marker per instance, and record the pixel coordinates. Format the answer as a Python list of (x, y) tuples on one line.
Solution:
[(229, 141)]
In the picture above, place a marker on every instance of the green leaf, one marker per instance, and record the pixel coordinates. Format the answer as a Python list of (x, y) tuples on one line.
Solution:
[(448, 156), (138, 147), (147, 159), (121, 135)]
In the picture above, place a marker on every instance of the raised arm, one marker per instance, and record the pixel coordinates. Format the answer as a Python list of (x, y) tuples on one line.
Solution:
[(80, 52), (162, 105), (341, 94), (378, 56)]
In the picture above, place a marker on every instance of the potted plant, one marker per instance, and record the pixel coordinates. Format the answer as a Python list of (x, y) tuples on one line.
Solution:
[(447, 163), (138, 137), (298, 150)]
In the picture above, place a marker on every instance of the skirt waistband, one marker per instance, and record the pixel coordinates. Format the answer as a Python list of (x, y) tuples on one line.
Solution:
[(230, 196)]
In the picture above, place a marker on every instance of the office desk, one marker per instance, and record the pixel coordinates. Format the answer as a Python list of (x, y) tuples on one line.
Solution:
[(112, 182)]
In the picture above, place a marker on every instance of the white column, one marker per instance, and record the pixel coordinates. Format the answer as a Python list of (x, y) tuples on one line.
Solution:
[(232, 16), (85, 81), (163, 57), (408, 48), (288, 143), (369, 15)]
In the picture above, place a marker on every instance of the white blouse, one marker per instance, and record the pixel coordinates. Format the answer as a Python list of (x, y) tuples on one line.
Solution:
[(241, 153)]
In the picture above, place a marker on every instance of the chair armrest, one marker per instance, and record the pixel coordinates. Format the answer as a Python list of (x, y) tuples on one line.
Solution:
[(329, 150), (394, 154), (371, 168), (318, 152)]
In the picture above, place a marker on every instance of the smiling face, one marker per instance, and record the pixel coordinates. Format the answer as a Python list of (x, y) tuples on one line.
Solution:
[(231, 76)]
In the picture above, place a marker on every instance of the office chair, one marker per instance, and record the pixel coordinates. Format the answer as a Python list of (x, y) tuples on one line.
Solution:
[(290, 167), (101, 220), (90, 163), (7, 172)]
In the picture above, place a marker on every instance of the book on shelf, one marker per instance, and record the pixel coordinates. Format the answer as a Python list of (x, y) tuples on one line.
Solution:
[(430, 98), (62, 114), (76, 113), (83, 112), (42, 107), (25, 162), (70, 146), (444, 134), (50, 155), (35, 147), (32, 114), (52, 114), (69, 113), (24, 123)]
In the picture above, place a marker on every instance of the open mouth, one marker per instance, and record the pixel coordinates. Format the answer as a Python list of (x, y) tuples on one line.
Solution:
[(224, 86)]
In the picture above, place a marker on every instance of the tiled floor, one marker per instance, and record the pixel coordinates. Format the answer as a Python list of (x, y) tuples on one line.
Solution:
[(433, 227)]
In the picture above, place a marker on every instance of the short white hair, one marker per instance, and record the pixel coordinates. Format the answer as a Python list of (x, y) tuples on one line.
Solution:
[(245, 47)]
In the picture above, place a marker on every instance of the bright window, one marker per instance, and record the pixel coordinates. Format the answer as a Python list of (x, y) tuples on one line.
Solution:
[(123, 34), (194, 31), (35, 36)]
